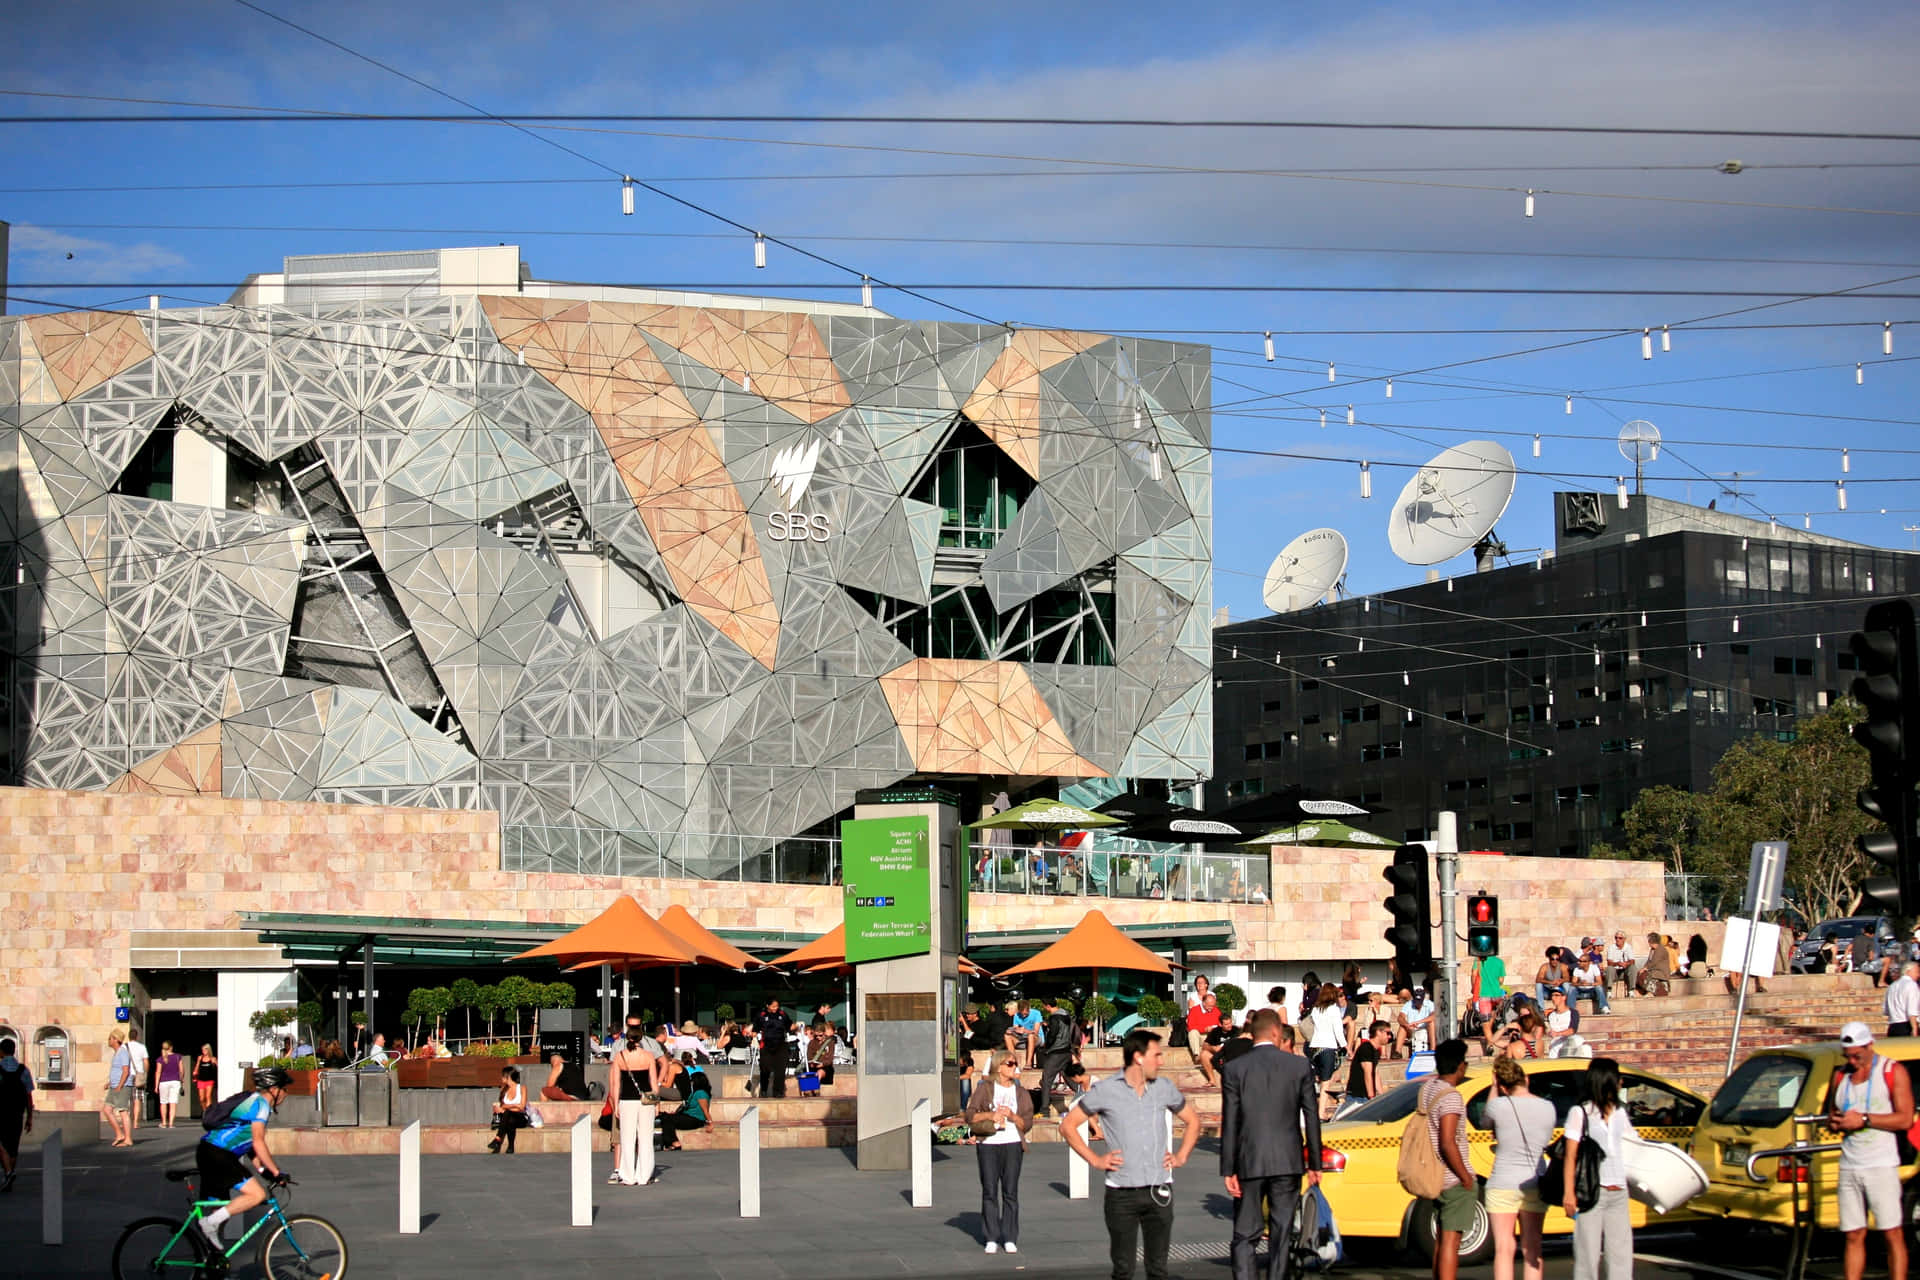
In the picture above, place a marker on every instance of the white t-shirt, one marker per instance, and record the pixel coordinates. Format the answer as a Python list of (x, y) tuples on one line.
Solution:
[(139, 1053), (1560, 1022), (1413, 1011), (1610, 1135), (1620, 954), (1903, 1000), (1588, 975), (1004, 1096)]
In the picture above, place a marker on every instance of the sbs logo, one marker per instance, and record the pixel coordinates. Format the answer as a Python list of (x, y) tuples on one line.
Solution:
[(792, 470)]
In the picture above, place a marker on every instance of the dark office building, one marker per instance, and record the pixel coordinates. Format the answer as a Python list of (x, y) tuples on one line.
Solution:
[(1537, 700)]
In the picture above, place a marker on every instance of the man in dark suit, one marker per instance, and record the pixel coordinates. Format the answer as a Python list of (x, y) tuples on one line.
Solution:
[(1269, 1138)]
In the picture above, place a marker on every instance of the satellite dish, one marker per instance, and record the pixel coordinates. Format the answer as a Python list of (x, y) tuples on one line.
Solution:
[(1451, 503), (1639, 444), (1306, 570)]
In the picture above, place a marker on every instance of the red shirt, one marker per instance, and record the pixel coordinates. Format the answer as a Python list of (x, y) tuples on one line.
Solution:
[(1202, 1019)]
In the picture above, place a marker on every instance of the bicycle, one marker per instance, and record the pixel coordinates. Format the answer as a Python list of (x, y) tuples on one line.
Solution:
[(295, 1246)]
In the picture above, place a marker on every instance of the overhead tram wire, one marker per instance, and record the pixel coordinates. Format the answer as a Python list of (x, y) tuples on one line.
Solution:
[(1785, 296), (863, 278)]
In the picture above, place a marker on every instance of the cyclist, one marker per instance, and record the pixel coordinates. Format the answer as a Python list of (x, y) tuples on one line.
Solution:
[(242, 1133)]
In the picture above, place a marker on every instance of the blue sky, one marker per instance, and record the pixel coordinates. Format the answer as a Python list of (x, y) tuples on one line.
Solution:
[(1406, 210)]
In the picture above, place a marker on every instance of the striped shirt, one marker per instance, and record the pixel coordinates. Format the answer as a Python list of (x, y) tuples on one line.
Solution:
[(1136, 1127)]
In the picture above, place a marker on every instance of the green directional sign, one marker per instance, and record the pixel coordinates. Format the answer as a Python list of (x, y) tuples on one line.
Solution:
[(887, 882)]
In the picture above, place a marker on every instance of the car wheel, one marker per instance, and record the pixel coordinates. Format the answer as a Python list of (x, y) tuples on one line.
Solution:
[(1910, 1202), (1423, 1233)]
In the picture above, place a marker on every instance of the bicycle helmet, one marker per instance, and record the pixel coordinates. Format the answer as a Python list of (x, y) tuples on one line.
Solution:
[(270, 1078)]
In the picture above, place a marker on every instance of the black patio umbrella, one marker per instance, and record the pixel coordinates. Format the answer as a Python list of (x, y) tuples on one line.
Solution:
[(1262, 813), (1132, 806)]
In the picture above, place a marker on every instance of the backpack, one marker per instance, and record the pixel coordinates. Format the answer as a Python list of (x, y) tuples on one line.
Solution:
[(1420, 1170), (1316, 1241), (1910, 1140), (220, 1115), (13, 1091)]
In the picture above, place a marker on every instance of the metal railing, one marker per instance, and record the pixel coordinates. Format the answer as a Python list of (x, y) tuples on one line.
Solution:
[(1098, 873)]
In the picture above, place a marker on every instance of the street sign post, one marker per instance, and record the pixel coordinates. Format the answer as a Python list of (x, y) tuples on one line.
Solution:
[(888, 902)]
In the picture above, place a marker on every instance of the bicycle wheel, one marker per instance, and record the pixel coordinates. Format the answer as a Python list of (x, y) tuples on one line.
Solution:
[(304, 1248), (147, 1248)]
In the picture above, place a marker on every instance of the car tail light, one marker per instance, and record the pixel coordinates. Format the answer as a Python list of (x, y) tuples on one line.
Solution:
[(1791, 1171), (1332, 1160)]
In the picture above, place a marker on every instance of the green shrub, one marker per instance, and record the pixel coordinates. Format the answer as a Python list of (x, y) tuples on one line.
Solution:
[(1153, 1011), (305, 1062), (557, 995), (724, 1012), (1100, 1009), (270, 1060), (1230, 998), (506, 1049)]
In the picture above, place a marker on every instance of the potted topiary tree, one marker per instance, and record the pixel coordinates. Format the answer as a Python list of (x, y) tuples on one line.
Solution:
[(1230, 998), (466, 994)]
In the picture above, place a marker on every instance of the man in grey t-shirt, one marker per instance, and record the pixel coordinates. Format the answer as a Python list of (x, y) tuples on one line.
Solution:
[(1133, 1108)]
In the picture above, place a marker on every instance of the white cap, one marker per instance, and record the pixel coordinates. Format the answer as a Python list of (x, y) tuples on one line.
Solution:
[(1855, 1034)]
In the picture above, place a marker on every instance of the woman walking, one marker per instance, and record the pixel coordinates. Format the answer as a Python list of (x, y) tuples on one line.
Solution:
[(1522, 1128), (509, 1111), (1603, 1233), (1000, 1115), (632, 1076), (167, 1072), (206, 1074), (1326, 1032)]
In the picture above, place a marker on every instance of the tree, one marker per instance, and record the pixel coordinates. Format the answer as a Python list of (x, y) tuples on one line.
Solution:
[(487, 1001), (466, 994), (1764, 789), (517, 992), (1229, 997)]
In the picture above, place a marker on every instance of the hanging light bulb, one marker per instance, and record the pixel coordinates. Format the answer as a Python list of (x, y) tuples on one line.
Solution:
[(1620, 490), (1569, 404), (1269, 338), (1389, 388), (866, 292), (1869, 580), (1366, 605), (1349, 415), (1136, 419), (1366, 479), (1646, 344), (1809, 520), (1529, 202), (1859, 373), (1736, 624), (1699, 652), (1643, 617), (746, 382), (1666, 338), (1596, 657), (1840, 493), (1006, 339), (1323, 419), (1361, 647), (759, 250), (1449, 586), (1405, 678), (1330, 371), (1819, 642), (1846, 462), (626, 195), (1536, 446), (1153, 459), (1886, 337)]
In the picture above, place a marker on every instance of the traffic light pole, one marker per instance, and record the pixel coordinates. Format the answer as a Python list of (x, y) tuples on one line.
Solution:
[(1447, 855)]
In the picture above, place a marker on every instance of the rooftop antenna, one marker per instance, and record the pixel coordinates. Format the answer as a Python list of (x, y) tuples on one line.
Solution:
[(1451, 504), (1732, 488), (1639, 444), (1306, 571)]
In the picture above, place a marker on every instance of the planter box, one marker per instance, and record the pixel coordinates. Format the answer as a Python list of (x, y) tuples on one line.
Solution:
[(459, 1073), (300, 1084)]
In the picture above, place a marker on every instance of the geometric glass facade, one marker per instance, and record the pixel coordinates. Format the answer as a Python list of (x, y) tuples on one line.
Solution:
[(662, 583)]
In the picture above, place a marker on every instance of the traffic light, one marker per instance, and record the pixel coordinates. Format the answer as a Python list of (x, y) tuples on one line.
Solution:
[(1412, 931), (1889, 688), (1483, 925)]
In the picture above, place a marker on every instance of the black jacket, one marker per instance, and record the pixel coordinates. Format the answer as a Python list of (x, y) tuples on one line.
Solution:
[(1267, 1097), (1058, 1040)]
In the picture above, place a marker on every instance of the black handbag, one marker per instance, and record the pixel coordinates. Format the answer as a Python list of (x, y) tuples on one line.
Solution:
[(1586, 1171), (1177, 1034)]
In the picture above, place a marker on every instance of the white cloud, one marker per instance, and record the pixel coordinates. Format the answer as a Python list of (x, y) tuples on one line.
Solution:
[(69, 257)]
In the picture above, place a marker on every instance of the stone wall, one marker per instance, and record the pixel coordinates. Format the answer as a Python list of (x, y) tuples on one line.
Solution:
[(85, 871)]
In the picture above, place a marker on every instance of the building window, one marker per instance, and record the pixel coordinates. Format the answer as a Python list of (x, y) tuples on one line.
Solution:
[(1783, 666), (1270, 707), (1255, 751), (1308, 686), (977, 487), (1846, 661)]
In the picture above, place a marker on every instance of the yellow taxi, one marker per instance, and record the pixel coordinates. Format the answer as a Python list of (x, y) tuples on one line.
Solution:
[(1754, 1111), (1361, 1150)]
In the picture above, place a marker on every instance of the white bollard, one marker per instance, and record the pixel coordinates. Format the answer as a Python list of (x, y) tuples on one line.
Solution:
[(921, 1137), (580, 1146), (410, 1180), (750, 1163), (1077, 1171), (53, 1190), (647, 1113)]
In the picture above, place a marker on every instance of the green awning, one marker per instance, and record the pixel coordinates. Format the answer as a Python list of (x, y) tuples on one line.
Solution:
[(416, 940)]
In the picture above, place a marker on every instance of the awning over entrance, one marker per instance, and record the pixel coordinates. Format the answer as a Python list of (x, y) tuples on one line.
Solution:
[(420, 941), (997, 951)]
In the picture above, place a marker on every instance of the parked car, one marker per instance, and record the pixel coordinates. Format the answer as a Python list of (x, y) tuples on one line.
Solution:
[(1843, 931), (1362, 1150), (1754, 1109)]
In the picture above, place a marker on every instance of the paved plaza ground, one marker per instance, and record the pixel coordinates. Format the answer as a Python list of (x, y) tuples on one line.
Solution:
[(507, 1216)]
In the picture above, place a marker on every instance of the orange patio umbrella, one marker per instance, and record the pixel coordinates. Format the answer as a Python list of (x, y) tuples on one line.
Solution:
[(829, 951), (706, 946), (1095, 943), (623, 935)]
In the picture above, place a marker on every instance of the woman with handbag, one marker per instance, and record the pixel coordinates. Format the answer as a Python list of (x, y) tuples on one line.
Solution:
[(509, 1111), (999, 1116), (632, 1077), (1602, 1233), (1522, 1127)]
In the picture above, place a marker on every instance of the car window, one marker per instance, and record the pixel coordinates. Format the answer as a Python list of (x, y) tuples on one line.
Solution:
[(1394, 1104), (1650, 1103), (1564, 1089), (1761, 1092)]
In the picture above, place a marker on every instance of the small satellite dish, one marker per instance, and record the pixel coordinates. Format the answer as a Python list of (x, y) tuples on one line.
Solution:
[(1451, 503), (1639, 444), (1305, 570), (1639, 441)]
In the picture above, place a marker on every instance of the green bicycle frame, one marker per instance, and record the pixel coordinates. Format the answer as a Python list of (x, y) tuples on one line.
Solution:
[(200, 1208)]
